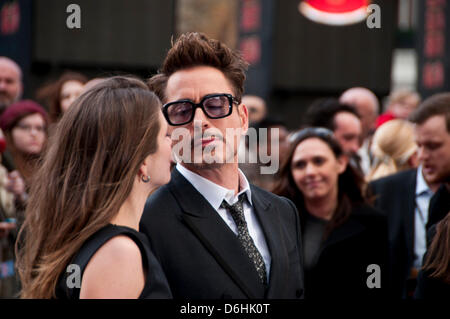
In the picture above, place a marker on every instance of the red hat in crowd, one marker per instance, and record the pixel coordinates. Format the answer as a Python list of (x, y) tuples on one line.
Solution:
[(17, 111)]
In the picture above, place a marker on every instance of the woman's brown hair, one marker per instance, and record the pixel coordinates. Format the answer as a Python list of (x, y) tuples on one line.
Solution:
[(437, 260), (350, 183), (86, 175), (51, 93)]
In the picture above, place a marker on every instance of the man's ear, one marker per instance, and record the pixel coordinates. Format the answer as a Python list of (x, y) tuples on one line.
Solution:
[(413, 160), (342, 163), (243, 115)]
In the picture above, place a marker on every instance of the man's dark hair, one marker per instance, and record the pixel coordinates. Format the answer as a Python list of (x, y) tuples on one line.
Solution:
[(196, 49), (321, 113), (267, 123), (438, 104)]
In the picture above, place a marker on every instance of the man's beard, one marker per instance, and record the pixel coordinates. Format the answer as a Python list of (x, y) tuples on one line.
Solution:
[(203, 165), (190, 151), (225, 156)]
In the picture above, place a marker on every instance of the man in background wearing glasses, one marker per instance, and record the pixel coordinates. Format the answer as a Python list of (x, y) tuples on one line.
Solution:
[(216, 235)]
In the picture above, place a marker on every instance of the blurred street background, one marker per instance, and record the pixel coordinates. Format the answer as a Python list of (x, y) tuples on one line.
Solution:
[(293, 60)]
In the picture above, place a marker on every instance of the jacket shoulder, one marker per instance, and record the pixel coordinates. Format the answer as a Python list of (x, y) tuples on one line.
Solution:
[(395, 179), (159, 204), (271, 197), (160, 195)]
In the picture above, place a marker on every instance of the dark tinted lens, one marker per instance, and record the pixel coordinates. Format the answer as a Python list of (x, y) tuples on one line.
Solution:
[(180, 112), (217, 106)]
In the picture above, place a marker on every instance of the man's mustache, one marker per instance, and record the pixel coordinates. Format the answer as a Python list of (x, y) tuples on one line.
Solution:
[(198, 141)]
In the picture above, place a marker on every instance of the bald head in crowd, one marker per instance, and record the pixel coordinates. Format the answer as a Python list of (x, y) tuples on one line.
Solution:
[(366, 104), (10, 82)]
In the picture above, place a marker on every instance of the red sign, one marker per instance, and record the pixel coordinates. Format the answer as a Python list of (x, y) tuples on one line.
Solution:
[(10, 18), (250, 16), (334, 12), (433, 75), (251, 49)]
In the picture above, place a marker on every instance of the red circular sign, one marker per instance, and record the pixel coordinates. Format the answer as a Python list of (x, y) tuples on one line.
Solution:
[(334, 12)]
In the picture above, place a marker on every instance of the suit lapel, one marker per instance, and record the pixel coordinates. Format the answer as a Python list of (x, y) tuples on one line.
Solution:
[(216, 236), (269, 220), (408, 214)]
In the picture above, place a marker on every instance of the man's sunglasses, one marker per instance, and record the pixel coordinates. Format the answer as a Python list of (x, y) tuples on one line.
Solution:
[(214, 106)]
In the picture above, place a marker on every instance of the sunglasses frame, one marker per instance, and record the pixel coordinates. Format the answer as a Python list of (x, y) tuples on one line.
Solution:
[(231, 100)]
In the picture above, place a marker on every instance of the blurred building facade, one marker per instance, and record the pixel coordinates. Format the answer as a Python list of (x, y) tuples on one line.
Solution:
[(292, 59)]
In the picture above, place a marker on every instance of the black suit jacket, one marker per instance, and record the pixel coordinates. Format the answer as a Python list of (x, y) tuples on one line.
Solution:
[(395, 196), (439, 207), (202, 257), (341, 270), (430, 287)]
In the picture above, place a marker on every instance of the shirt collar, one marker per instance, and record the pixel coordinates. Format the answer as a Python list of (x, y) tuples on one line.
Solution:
[(213, 192), (421, 184)]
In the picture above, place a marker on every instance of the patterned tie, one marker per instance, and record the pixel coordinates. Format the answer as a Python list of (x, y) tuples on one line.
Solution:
[(237, 212)]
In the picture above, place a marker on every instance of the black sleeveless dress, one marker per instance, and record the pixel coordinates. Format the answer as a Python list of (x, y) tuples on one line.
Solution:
[(156, 286)]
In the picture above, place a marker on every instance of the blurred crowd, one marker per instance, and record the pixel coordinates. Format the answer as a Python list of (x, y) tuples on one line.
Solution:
[(382, 165)]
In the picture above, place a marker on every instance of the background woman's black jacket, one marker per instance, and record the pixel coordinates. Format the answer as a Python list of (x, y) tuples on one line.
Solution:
[(341, 269)]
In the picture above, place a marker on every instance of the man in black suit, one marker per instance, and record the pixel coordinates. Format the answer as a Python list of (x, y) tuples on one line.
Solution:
[(432, 120), (400, 196), (404, 197), (216, 235)]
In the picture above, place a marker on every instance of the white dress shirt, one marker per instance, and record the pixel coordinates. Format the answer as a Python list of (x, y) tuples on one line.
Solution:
[(215, 194), (423, 195), (364, 155)]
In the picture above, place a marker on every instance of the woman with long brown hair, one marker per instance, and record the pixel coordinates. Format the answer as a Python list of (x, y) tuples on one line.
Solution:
[(110, 151), (344, 238)]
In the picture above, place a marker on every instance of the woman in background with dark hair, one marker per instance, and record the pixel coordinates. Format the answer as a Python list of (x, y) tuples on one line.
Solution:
[(342, 235), (59, 95), (110, 151)]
